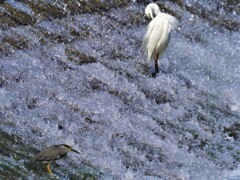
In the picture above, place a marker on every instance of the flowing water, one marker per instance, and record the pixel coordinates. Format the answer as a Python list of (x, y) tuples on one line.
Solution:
[(73, 72)]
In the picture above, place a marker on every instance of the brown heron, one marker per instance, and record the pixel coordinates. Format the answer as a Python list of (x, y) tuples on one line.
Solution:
[(53, 153)]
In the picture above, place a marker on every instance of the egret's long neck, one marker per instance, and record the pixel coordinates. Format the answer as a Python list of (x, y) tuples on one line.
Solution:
[(152, 10), (155, 12)]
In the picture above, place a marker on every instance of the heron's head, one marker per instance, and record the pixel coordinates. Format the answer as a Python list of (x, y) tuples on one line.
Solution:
[(152, 10), (69, 148)]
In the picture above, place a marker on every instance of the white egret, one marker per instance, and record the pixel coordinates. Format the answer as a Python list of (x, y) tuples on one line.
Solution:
[(158, 33)]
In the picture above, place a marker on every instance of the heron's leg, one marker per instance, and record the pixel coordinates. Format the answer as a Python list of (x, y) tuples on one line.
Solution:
[(48, 167)]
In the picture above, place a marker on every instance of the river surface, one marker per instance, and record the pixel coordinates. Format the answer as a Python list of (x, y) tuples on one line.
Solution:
[(73, 72)]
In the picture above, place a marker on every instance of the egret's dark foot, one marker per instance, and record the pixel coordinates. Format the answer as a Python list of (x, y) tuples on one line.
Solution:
[(154, 74)]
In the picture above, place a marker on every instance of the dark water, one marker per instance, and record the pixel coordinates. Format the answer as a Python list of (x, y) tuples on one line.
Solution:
[(73, 72)]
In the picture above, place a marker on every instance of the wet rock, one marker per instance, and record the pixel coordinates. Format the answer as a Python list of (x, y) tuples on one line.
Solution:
[(79, 57)]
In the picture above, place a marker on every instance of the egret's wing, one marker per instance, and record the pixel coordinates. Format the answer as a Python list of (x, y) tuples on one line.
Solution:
[(152, 36), (148, 32), (173, 23), (146, 37), (168, 25), (158, 34)]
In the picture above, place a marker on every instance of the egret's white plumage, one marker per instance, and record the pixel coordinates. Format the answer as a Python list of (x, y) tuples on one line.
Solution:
[(158, 33)]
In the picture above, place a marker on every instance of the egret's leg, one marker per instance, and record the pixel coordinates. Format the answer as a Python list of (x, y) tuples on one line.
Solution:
[(48, 167), (156, 64), (156, 70)]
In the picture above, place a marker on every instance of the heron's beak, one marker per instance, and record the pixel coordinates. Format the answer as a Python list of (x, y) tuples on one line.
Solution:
[(75, 151)]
